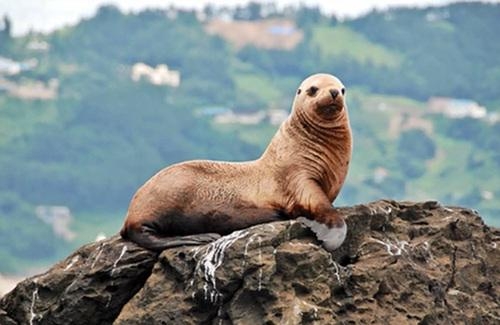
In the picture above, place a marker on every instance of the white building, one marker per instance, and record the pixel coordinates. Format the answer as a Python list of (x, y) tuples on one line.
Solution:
[(59, 217), (456, 108), (160, 75), (230, 117), (10, 67)]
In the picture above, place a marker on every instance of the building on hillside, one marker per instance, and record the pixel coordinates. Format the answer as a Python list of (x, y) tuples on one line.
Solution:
[(456, 108), (379, 175), (230, 117), (212, 111), (438, 14), (9, 67), (282, 29), (30, 89), (160, 75), (38, 45), (223, 115), (59, 217)]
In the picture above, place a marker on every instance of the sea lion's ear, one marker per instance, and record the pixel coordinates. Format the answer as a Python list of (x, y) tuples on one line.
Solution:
[(299, 91)]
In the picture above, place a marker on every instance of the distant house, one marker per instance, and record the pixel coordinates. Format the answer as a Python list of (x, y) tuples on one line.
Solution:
[(160, 75), (224, 115), (487, 195), (10, 67), (437, 15), (30, 89), (456, 108), (37, 45), (281, 29), (379, 175), (231, 117), (212, 111), (59, 217)]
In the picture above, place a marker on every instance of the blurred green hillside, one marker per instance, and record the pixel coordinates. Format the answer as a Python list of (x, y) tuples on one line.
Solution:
[(97, 135)]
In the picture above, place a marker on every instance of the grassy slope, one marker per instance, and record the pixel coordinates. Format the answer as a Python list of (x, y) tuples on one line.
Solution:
[(269, 89), (257, 85), (343, 41)]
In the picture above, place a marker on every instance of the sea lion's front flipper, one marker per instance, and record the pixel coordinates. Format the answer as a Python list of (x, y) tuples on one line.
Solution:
[(319, 215), (332, 236), (149, 238)]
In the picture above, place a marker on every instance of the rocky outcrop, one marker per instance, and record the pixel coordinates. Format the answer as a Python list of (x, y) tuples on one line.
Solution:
[(402, 263)]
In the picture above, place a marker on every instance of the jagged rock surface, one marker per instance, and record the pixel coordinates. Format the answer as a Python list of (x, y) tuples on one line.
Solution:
[(89, 287), (402, 263)]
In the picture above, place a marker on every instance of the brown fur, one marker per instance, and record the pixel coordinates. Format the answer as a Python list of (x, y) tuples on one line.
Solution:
[(300, 174)]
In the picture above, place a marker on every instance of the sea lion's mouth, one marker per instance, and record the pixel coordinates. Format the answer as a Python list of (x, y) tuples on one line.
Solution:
[(330, 110)]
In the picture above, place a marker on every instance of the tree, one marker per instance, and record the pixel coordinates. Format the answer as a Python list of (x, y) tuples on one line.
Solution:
[(414, 147), (7, 26), (308, 16), (254, 11), (416, 144), (5, 34)]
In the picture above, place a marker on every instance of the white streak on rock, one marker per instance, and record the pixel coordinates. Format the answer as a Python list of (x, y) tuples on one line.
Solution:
[(33, 315), (205, 290), (73, 261), (337, 271), (427, 248), (245, 252), (212, 259), (387, 210), (109, 300), (395, 249), (219, 314), (99, 252), (124, 250), (454, 292), (259, 287), (298, 243), (270, 225)]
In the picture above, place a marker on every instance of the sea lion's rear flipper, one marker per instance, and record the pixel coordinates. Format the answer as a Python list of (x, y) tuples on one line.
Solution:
[(147, 237)]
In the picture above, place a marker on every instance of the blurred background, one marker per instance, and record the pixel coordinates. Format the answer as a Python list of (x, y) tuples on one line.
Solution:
[(97, 97)]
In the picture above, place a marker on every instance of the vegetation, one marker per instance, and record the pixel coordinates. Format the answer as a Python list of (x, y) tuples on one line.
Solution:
[(104, 135), (341, 41)]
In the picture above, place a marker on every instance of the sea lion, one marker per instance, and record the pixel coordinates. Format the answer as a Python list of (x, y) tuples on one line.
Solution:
[(299, 175)]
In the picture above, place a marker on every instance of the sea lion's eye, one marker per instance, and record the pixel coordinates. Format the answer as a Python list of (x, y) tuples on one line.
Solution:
[(312, 91), (299, 91), (342, 91)]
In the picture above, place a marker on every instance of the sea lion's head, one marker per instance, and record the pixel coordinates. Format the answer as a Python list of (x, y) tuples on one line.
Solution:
[(320, 97)]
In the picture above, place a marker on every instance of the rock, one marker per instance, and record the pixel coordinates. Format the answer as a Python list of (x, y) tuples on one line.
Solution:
[(402, 262), (89, 287)]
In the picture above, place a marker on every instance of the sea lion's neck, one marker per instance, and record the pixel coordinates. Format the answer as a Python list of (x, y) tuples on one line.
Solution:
[(322, 151), (333, 137)]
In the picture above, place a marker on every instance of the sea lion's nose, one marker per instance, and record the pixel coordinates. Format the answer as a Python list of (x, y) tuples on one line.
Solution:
[(334, 92)]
